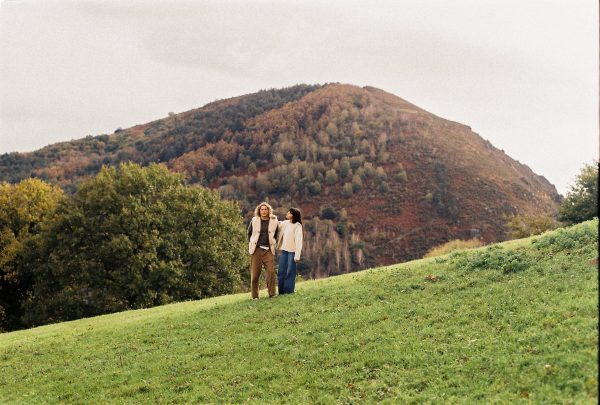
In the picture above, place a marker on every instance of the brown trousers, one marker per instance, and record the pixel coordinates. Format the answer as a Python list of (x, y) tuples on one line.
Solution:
[(262, 257)]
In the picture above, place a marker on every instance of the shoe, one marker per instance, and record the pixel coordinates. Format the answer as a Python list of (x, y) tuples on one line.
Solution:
[(254, 298)]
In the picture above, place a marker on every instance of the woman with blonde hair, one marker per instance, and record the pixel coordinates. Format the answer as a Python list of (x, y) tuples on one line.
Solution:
[(290, 244), (262, 235)]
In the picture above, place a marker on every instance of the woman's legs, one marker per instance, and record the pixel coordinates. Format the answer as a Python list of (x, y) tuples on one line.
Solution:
[(290, 278), (281, 271), (286, 274)]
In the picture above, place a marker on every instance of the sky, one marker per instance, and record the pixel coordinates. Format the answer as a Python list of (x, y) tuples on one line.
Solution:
[(523, 74)]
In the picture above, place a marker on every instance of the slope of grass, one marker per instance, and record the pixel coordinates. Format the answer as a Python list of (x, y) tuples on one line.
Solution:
[(509, 323)]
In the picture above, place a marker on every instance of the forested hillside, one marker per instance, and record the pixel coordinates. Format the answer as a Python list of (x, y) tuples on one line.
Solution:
[(379, 180)]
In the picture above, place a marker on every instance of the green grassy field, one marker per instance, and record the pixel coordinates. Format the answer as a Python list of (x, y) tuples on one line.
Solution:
[(510, 323)]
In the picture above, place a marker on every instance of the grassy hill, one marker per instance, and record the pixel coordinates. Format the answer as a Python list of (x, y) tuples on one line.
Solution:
[(515, 322)]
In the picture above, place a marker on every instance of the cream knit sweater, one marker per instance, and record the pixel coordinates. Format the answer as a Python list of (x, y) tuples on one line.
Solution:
[(289, 238)]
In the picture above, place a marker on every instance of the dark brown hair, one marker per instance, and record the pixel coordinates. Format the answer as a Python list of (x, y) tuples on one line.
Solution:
[(296, 215)]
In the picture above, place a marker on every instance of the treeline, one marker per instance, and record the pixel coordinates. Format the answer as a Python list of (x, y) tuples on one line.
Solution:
[(159, 141), (131, 237)]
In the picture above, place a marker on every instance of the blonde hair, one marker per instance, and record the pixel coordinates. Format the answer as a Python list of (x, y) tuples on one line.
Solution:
[(256, 210)]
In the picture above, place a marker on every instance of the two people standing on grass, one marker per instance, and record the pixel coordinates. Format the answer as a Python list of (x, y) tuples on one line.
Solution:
[(266, 234)]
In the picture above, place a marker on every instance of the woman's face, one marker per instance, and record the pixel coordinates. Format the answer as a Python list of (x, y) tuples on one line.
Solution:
[(263, 211), (289, 216)]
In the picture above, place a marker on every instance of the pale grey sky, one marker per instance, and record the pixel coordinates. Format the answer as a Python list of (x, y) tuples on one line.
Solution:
[(521, 73)]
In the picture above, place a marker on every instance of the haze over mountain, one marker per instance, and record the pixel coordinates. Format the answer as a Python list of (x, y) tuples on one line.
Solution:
[(379, 179)]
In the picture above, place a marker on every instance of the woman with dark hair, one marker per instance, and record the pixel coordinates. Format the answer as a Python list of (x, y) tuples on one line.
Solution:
[(289, 241)]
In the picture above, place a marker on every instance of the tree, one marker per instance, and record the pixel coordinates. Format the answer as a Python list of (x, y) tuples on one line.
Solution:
[(314, 188), (24, 207), (328, 213), (331, 177), (400, 173), (345, 169), (134, 237), (581, 202), (332, 129), (520, 226), (357, 183), (347, 190)]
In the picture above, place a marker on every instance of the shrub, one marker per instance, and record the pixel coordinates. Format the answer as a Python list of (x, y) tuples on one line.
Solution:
[(451, 246), (494, 258), (574, 238), (520, 226)]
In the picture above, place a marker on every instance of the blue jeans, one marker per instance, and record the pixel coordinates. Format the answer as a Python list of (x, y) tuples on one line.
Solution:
[(286, 273)]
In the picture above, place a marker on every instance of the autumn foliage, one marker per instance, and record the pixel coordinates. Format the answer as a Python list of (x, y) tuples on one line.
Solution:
[(406, 179)]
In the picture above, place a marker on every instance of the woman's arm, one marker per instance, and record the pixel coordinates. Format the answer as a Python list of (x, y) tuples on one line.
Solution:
[(298, 240), (279, 234)]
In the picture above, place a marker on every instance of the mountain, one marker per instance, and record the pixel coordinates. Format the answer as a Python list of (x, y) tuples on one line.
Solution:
[(379, 180)]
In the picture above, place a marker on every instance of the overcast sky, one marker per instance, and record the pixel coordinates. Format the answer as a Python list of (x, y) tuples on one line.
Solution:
[(521, 73)]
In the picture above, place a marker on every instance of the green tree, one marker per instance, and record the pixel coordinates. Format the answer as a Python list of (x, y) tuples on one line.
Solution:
[(520, 226), (280, 179), (345, 169), (24, 207), (347, 190), (314, 188), (331, 177), (134, 237), (581, 202), (400, 173), (328, 213), (357, 183)]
